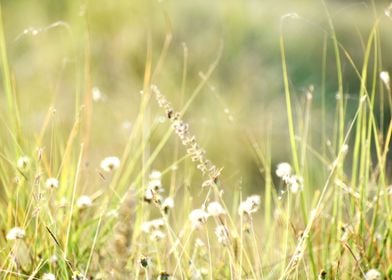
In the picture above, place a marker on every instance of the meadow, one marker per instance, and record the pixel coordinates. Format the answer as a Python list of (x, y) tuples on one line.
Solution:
[(195, 140)]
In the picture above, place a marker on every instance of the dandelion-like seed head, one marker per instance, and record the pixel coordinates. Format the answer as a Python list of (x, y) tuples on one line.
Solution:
[(23, 163), (148, 195), (198, 217), (48, 276), (146, 227), (110, 164), (52, 183), (215, 209), (221, 233), (385, 78), (344, 148), (283, 170), (97, 95), (373, 274), (16, 233), (295, 183), (155, 185), (254, 200), (167, 204), (84, 201), (250, 205)]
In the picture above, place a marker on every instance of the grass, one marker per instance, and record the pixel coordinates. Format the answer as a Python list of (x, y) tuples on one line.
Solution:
[(82, 197)]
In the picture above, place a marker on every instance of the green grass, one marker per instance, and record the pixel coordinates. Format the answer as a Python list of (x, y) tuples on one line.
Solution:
[(336, 225)]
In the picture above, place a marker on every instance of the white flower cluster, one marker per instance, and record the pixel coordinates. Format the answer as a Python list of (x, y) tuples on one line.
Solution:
[(153, 228), (167, 204), (154, 190), (222, 234), (293, 182), (16, 233), (154, 187), (199, 216), (250, 205), (215, 209)]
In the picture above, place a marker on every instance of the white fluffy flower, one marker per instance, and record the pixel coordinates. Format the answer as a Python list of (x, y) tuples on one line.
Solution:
[(283, 170), (215, 209), (155, 182), (23, 163), (168, 203), (373, 274), (250, 205), (384, 76), (52, 183), (155, 185), (16, 233), (109, 164), (48, 276), (84, 201), (295, 183), (97, 95), (344, 148), (222, 234), (198, 217)]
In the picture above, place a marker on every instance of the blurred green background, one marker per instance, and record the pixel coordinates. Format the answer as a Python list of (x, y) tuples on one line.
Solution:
[(47, 41)]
